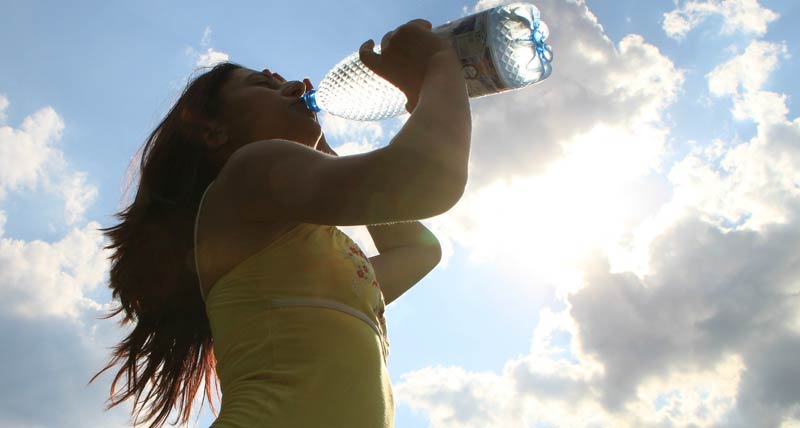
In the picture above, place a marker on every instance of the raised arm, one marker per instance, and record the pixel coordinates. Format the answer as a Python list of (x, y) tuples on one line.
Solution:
[(421, 173)]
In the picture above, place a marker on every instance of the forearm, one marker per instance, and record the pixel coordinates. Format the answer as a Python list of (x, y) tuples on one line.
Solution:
[(438, 132), (387, 236)]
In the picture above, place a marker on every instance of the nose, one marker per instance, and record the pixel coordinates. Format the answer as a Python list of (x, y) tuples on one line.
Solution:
[(294, 89)]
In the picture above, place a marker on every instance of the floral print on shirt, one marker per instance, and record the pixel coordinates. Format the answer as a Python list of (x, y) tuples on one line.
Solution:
[(364, 273)]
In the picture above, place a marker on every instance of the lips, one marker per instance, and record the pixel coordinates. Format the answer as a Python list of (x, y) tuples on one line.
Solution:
[(300, 105)]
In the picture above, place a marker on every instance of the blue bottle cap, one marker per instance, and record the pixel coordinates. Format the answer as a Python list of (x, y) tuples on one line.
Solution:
[(311, 100), (543, 50)]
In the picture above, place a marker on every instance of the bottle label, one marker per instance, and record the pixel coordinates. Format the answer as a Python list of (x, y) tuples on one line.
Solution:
[(468, 36)]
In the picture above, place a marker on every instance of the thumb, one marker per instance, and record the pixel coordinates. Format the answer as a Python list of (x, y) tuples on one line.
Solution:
[(368, 56)]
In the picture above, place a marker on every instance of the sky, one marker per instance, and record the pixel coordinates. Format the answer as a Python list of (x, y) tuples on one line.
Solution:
[(625, 253)]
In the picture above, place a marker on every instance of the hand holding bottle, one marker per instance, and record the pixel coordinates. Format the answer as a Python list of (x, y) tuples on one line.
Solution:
[(405, 54), (497, 50)]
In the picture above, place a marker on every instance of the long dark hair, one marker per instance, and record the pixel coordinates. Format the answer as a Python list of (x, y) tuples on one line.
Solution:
[(152, 268)]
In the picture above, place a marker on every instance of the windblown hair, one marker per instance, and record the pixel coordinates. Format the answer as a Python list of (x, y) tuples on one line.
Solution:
[(170, 350)]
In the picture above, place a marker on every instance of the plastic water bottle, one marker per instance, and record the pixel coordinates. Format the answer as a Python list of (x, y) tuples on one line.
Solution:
[(500, 49)]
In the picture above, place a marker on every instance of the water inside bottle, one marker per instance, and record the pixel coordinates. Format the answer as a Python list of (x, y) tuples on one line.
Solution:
[(368, 96)]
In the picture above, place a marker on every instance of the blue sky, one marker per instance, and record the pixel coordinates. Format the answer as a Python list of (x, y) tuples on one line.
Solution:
[(624, 254)]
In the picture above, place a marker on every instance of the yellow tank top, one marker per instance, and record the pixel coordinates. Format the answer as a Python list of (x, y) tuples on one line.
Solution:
[(300, 335)]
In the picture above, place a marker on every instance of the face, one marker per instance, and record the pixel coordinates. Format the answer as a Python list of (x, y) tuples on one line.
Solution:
[(263, 105)]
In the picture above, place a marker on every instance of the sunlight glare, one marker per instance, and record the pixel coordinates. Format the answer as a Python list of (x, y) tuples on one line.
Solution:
[(550, 224)]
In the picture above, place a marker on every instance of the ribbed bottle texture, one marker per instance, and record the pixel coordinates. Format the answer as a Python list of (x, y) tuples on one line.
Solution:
[(500, 49)]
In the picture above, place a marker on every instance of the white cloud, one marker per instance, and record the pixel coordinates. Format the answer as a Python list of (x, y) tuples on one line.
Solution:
[(519, 133), (78, 196), (746, 16), (206, 40), (751, 191), (701, 341), (535, 392), (723, 275), (749, 184), (704, 331), (52, 342), (355, 147), (40, 279), (564, 167), (708, 294), (3, 109), (25, 152), (206, 56), (453, 397), (743, 76), (747, 72), (210, 58), (699, 398), (31, 160), (339, 129)]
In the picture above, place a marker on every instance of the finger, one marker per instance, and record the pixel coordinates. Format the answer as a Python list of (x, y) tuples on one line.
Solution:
[(422, 23), (385, 40), (368, 56)]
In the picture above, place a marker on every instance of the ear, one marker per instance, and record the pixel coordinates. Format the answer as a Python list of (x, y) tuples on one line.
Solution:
[(216, 136), (213, 133)]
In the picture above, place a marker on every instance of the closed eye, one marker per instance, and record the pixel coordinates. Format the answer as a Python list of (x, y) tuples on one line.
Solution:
[(269, 83)]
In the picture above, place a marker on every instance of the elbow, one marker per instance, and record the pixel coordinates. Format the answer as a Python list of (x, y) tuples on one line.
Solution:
[(454, 189), (436, 254)]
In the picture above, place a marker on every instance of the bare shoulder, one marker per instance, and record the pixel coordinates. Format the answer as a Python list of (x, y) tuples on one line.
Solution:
[(224, 239)]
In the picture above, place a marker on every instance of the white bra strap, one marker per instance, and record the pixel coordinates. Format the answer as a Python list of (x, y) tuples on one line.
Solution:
[(283, 302)]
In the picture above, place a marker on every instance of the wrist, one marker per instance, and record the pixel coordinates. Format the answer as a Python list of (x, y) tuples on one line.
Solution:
[(443, 61), (444, 58)]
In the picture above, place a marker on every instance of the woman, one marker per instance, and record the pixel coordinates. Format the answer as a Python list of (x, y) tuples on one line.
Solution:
[(232, 236)]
